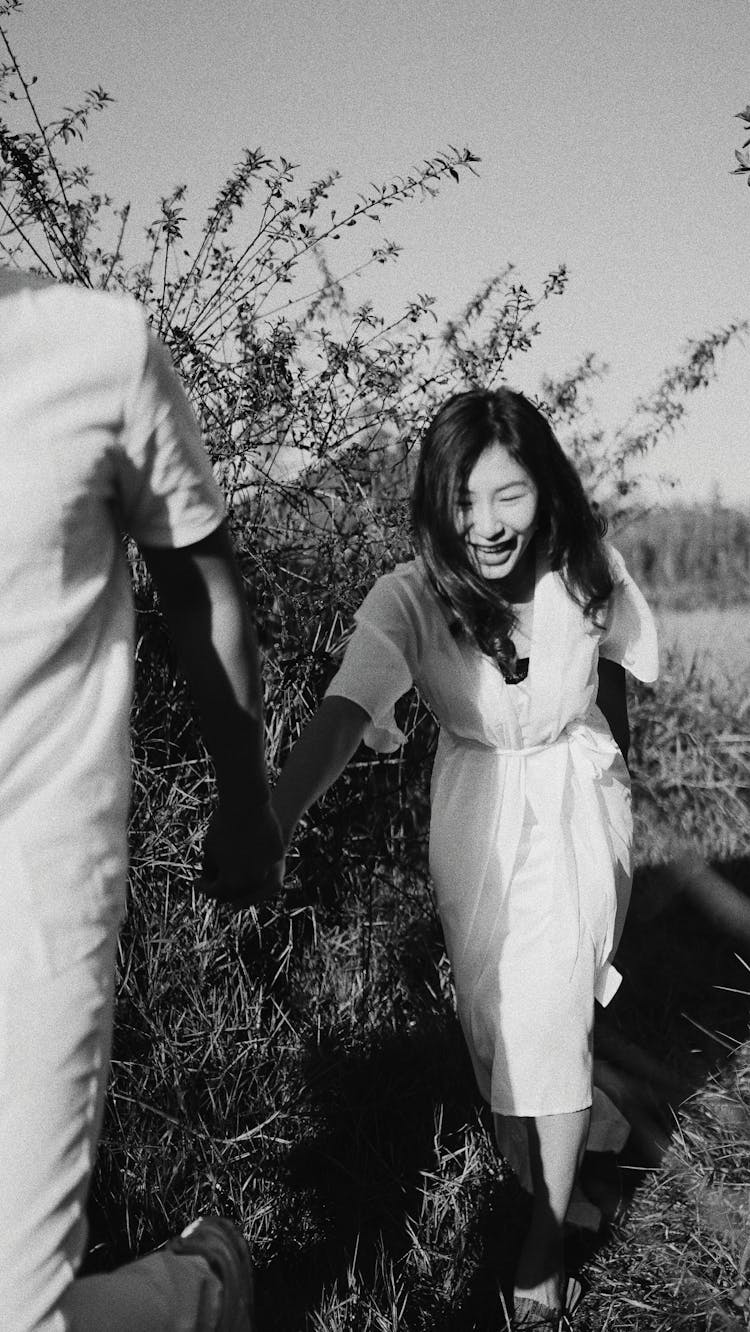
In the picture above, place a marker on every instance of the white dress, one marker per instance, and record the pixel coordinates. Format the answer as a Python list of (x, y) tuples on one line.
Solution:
[(530, 835)]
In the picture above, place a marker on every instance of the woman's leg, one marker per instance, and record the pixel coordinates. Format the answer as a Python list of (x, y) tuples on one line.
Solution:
[(556, 1145)]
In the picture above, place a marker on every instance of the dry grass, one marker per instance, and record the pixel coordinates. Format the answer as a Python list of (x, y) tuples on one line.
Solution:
[(691, 765), (680, 1257), (301, 1070)]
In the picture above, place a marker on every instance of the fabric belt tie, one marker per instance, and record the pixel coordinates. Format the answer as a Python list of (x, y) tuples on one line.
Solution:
[(577, 757)]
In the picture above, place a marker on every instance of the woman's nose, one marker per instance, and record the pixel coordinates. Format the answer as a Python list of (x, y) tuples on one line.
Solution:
[(486, 522)]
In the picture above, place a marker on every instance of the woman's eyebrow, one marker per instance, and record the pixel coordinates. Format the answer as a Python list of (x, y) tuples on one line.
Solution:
[(507, 485)]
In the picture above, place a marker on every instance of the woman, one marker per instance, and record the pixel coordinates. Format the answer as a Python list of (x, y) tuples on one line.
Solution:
[(515, 622)]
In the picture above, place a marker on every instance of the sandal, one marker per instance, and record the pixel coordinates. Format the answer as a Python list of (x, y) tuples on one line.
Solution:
[(530, 1315), (573, 1297)]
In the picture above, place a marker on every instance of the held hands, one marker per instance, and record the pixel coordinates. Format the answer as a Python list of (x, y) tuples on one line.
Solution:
[(243, 858)]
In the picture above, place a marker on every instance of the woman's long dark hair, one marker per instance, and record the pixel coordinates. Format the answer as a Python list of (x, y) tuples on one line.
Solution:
[(571, 533)]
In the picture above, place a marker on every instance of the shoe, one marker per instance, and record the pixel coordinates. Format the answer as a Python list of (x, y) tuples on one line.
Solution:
[(530, 1315), (227, 1254), (573, 1297)]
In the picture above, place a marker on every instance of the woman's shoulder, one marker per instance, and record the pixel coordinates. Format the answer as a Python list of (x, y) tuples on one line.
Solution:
[(406, 579), (404, 593)]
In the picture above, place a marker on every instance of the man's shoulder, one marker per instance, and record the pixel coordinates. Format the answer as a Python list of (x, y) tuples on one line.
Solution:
[(113, 312), (75, 310)]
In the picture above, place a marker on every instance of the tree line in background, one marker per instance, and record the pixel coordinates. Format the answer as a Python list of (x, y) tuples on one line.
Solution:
[(690, 555)]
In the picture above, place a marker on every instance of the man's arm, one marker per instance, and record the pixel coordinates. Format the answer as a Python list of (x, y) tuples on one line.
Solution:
[(201, 594)]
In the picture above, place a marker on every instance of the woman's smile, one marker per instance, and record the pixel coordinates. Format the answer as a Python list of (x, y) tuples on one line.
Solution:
[(499, 547), (494, 552)]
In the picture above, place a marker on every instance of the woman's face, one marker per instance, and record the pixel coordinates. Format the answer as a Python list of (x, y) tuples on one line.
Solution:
[(498, 512)]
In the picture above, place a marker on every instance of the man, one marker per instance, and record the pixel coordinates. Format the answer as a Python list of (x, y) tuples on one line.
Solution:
[(97, 439)]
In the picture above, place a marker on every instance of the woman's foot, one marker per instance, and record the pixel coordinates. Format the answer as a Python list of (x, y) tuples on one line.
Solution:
[(546, 1293), (540, 1272), (528, 1315), (531, 1312)]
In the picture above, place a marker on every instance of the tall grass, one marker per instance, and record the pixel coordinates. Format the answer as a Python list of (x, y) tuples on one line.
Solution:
[(300, 1067)]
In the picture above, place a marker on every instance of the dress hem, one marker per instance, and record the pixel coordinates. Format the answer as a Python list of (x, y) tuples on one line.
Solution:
[(540, 1114)]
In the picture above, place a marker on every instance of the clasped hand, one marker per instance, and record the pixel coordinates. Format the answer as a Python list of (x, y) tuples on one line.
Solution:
[(243, 858)]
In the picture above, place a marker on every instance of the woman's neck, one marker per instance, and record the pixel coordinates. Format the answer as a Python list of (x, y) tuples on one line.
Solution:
[(518, 588)]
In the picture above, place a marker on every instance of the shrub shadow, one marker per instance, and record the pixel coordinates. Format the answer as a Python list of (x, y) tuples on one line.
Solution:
[(373, 1110), (362, 1170), (368, 1134), (683, 1005), (682, 995)]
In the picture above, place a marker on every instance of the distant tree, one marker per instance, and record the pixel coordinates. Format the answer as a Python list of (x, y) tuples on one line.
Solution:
[(743, 154), (687, 556)]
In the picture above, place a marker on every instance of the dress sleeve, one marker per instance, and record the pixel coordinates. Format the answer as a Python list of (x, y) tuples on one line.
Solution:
[(167, 490), (381, 660), (629, 632)]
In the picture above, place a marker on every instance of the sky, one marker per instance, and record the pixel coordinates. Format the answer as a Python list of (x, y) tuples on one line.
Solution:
[(605, 127)]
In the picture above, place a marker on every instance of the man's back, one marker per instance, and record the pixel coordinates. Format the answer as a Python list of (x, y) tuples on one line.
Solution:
[(97, 439), (93, 441)]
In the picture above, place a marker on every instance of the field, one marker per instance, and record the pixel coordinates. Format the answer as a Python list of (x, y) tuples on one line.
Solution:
[(300, 1069), (715, 641)]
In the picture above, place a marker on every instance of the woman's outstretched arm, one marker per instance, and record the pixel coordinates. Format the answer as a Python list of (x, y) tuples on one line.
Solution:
[(318, 758)]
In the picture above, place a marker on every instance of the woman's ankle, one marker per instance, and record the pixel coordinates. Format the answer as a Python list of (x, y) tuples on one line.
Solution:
[(539, 1274)]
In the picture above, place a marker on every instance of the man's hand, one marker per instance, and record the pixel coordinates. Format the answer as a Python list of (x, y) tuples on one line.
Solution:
[(202, 595), (243, 858)]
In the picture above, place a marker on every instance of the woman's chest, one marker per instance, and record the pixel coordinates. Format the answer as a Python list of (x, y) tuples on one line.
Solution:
[(469, 695)]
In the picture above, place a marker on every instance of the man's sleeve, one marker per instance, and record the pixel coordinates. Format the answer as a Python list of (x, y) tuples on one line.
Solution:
[(167, 491)]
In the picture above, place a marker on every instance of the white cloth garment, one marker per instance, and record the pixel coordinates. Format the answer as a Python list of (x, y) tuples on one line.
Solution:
[(55, 1032), (96, 438), (530, 834)]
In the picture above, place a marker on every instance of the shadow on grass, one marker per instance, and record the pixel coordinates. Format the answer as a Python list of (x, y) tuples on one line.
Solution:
[(681, 1003), (372, 1186), (684, 992), (362, 1173)]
